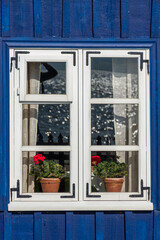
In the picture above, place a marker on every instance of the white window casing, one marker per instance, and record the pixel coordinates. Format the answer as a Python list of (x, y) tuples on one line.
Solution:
[(78, 96)]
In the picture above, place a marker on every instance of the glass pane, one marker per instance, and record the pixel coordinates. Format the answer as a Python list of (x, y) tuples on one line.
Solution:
[(114, 77), (114, 124), (49, 165), (46, 78), (46, 124), (109, 165)]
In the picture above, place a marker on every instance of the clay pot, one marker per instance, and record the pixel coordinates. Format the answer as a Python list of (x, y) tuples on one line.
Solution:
[(50, 184), (113, 184)]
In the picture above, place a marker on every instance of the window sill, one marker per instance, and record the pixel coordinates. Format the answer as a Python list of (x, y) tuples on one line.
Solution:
[(81, 206)]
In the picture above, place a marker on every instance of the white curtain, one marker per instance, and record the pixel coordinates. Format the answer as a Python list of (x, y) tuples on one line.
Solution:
[(30, 120), (124, 79)]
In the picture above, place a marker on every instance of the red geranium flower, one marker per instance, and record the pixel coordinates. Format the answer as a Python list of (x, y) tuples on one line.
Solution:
[(37, 158), (95, 160)]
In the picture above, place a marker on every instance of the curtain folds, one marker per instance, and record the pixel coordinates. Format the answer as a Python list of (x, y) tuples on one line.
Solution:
[(30, 122), (124, 78)]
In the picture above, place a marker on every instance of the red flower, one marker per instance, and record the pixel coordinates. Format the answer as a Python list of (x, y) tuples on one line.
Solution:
[(95, 160), (37, 158)]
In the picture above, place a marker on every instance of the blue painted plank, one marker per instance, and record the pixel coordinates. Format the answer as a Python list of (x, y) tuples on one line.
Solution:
[(5, 18), (1, 225), (155, 27), (80, 226), (110, 226), (135, 18), (4, 162), (106, 18), (100, 225), (7, 225), (22, 226), (37, 19), (77, 18), (154, 128), (51, 18), (1, 18), (1, 136), (156, 225), (21, 18), (53, 226), (158, 121), (37, 226), (139, 225)]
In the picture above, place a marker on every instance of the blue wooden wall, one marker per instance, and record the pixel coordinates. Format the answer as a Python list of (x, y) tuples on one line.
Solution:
[(77, 19)]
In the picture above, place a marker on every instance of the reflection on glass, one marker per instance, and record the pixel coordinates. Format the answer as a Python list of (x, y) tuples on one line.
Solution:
[(29, 182), (46, 78), (46, 124), (130, 183), (114, 78), (114, 124)]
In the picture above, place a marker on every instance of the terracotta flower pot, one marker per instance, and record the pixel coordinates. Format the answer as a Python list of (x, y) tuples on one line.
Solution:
[(50, 184), (113, 184)]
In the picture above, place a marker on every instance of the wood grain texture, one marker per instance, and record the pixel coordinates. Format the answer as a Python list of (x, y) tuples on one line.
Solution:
[(154, 128), (0, 18), (22, 226), (1, 135), (37, 18), (7, 225), (5, 18), (51, 18), (53, 226), (21, 18), (80, 226), (4, 190), (37, 226), (1, 225), (110, 226), (155, 21), (156, 225), (139, 225), (135, 18), (158, 123), (106, 18), (77, 18)]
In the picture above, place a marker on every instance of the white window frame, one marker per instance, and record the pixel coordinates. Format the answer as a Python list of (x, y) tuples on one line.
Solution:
[(45, 56), (80, 120), (16, 147), (143, 115)]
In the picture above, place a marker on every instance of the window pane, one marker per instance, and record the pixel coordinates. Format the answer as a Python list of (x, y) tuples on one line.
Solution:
[(114, 124), (130, 183), (46, 124), (31, 184), (114, 77), (46, 78)]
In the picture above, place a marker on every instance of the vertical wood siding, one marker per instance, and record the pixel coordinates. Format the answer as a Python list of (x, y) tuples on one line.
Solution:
[(80, 226), (106, 19), (82, 19)]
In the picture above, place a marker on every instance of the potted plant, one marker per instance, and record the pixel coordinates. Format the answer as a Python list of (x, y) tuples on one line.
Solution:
[(94, 161), (48, 173), (112, 172)]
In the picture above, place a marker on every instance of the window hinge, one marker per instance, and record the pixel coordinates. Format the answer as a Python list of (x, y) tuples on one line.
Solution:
[(141, 60), (87, 55), (74, 56), (16, 59), (87, 192), (18, 91), (17, 189), (73, 192), (142, 193)]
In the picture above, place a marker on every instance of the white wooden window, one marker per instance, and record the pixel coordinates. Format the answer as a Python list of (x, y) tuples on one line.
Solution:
[(95, 102)]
